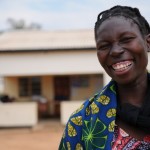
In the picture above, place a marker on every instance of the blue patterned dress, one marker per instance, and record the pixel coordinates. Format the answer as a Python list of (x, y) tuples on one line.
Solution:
[(91, 127)]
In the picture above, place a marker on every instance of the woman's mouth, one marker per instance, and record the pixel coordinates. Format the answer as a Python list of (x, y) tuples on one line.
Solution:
[(122, 66)]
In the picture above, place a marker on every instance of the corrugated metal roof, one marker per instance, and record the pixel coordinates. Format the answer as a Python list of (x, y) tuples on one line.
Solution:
[(47, 40)]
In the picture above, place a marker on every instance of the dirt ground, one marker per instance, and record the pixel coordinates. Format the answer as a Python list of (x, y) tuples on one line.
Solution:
[(45, 136)]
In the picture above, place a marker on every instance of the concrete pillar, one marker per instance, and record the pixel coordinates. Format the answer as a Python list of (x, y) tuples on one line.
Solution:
[(106, 78)]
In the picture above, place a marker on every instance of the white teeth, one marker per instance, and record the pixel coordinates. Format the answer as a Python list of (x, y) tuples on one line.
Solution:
[(121, 65)]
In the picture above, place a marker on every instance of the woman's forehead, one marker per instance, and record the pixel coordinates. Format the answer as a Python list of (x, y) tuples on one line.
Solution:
[(117, 23)]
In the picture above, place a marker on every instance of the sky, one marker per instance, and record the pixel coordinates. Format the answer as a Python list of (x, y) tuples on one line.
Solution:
[(62, 14)]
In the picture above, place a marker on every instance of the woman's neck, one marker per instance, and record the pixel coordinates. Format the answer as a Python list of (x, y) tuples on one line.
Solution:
[(134, 92)]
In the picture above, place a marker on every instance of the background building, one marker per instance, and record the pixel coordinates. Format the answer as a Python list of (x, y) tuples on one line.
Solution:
[(50, 67)]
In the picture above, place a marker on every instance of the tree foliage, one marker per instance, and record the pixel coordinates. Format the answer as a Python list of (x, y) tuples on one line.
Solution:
[(21, 24)]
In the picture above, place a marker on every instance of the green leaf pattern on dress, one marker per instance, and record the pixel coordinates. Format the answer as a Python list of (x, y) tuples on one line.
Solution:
[(112, 88), (92, 134)]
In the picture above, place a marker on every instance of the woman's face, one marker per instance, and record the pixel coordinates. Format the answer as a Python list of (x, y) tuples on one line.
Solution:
[(121, 49)]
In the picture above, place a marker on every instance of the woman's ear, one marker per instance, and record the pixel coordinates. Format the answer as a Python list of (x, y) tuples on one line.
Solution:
[(148, 42)]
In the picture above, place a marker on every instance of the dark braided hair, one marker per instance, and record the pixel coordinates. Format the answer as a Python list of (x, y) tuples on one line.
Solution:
[(127, 12)]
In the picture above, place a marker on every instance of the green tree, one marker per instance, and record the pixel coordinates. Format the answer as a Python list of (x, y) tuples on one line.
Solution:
[(21, 24)]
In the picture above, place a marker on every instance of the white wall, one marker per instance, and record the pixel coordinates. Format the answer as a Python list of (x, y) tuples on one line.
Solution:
[(18, 114), (148, 67), (49, 63), (1, 84)]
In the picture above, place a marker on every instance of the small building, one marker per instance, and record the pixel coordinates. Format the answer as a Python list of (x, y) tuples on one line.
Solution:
[(50, 67)]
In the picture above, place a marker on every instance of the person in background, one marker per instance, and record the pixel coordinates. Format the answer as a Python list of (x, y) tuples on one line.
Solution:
[(118, 117)]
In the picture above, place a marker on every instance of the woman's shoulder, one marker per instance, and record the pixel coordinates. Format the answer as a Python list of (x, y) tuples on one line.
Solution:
[(84, 109), (98, 101), (96, 114)]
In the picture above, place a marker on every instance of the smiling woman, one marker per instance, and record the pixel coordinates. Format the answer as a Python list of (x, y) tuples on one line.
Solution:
[(120, 47), (118, 117)]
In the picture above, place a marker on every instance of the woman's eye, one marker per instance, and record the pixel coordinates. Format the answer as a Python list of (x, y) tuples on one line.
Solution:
[(103, 47), (126, 39)]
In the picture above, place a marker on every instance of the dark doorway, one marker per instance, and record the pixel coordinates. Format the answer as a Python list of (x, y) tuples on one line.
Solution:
[(61, 91), (62, 88)]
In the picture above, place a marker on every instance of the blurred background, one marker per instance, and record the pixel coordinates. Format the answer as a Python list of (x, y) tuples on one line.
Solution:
[(48, 66)]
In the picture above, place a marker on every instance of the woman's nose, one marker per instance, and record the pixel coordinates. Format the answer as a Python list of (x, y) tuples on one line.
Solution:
[(116, 50)]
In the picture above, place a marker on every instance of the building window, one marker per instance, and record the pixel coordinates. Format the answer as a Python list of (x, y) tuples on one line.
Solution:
[(80, 81), (29, 86)]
